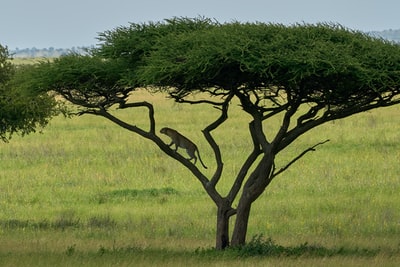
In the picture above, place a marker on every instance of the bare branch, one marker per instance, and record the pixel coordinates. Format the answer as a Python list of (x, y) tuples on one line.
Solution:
[(203, 101), (285, 124), (255, 112), (312, 112), (180, 99), (149, 106), (210, 139), (133, 128), (274, 111), (297, 158)]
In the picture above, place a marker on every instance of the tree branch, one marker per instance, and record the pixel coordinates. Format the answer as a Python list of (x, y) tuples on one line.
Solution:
[(164, 147), (312, 112), (180, 99), (130, 127), (246, 166), (274, 111), (285, 125), (297, 158), (254, 111), (149, 106), (330, 115), (210, 139)]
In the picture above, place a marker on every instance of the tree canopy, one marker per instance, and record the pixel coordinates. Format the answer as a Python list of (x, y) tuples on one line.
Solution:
[(332, 70), (326, 65), (305, 75)]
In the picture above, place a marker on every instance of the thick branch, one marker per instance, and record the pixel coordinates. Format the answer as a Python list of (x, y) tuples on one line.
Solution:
[(210, 139), (180, 99), (285, 126), (202, 101), (260, 178), (254, 111), (101, 111), (247, 164), (133, 128), (312, 112), (297, 158), (274, 111)]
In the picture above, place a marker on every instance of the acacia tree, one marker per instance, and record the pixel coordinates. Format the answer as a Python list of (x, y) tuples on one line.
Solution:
[(305, 75), (22, 110)]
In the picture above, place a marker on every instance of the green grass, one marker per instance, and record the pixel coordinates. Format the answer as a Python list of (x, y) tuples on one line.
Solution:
[(88, 192)]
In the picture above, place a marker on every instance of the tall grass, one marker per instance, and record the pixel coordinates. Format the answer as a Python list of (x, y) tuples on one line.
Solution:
[(86, 186)]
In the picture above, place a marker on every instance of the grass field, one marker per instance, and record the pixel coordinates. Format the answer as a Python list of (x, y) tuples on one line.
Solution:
[(86, 192), (28, 61)]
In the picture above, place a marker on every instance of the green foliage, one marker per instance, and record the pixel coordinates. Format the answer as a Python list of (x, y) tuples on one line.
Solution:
[(6, 68), (134, 42), (323, 64), (89, 81), (77, 72), (109, 73), (23, 108)]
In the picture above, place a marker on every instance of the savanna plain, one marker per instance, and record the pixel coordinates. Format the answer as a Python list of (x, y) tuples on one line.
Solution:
[(86, 192)]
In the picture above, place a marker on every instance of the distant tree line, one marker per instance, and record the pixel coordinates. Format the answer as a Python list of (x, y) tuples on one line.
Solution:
[(46, 52), (392, 35)]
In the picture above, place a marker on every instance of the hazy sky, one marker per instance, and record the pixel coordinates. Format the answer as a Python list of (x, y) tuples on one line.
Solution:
[(67, 23)]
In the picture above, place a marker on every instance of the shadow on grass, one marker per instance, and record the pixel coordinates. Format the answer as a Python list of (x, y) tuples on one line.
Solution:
[(257, 247), (66, 220), (134, 194), (259, 252), (260, 246)]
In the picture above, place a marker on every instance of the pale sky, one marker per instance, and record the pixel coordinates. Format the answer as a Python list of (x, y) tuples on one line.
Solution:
[(68, 23)]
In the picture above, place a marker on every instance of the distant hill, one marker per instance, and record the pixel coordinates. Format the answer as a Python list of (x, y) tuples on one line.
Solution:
[(392, 35)]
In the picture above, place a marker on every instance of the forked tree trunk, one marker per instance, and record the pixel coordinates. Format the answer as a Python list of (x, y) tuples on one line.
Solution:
[(253, 188)]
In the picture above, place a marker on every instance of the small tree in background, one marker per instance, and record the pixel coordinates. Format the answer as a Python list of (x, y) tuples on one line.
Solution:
[(304, 75), (22, 109)]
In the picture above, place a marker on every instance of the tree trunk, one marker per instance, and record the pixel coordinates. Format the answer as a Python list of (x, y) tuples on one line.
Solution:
[(253, 188), (222, 238), (242, 221)]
